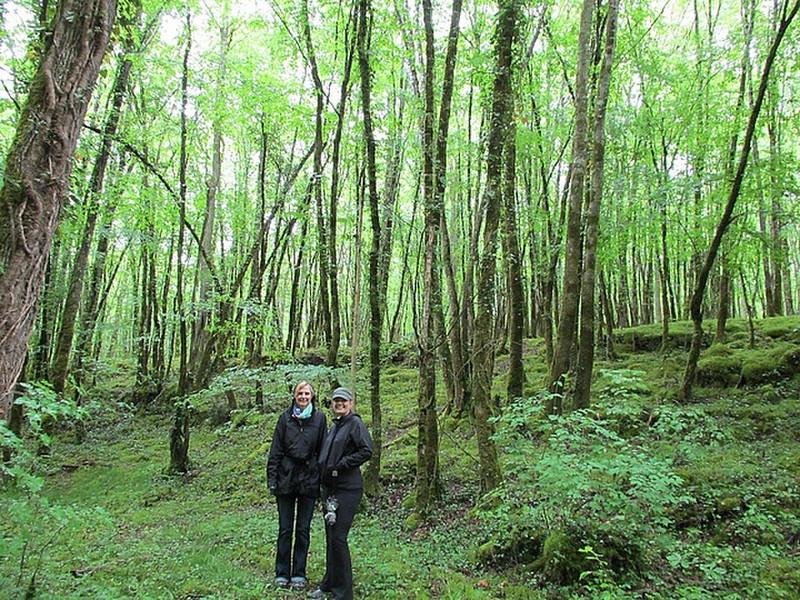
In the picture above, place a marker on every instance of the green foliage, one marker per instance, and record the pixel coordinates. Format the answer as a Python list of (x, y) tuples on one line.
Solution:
[(231, 394), (572, 482), (33, 525), (41, 403)]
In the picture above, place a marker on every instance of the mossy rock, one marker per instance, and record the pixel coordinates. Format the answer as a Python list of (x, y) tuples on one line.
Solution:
[(729, 506), (783, 328), (761, 368), (561, 560), (412, 521), (722, 370), (790, 359), (720, 350), (521, 545), (485, 553), (772, 365)]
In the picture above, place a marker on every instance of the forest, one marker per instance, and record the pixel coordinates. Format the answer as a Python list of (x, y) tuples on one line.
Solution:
[(552, 245)]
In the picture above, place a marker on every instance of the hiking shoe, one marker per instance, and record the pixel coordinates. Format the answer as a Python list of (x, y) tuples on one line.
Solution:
[(298, 583), (281, 581)]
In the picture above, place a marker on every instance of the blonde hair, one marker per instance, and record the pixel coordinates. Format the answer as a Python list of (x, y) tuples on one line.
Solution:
[(304, 383)]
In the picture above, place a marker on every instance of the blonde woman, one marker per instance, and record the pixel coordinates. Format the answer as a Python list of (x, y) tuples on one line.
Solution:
[(293, 477)]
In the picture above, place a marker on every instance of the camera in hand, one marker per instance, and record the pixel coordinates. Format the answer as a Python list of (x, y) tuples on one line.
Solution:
[(330, 505)]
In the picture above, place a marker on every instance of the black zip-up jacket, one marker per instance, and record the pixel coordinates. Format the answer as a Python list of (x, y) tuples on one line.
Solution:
[(347, 446), (293, 466)]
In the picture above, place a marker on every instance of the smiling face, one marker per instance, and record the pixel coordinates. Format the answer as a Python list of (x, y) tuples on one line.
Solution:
[(341, 406), (303, 395)]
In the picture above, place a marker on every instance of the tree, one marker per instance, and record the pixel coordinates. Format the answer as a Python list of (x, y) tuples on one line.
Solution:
[(180, 432), (38, 168), (376, 302), (696, 304), (484, 341), (570, 296), (584, 367)]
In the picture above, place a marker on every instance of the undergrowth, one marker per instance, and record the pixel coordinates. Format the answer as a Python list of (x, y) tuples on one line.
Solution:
[(638, 497)]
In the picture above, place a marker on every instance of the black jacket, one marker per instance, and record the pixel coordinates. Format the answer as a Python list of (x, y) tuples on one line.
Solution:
[(292, 466), (347, 446)]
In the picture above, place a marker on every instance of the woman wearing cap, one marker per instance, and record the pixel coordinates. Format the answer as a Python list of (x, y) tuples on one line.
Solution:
[(293, 476), (347, 446)]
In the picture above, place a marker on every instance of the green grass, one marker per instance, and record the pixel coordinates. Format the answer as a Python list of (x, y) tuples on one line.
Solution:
[(109, 524)]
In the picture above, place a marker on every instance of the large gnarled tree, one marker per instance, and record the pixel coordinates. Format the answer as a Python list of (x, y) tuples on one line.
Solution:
[(38, 168)]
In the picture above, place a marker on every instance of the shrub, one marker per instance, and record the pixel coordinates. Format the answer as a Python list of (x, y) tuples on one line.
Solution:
[(572, 482)]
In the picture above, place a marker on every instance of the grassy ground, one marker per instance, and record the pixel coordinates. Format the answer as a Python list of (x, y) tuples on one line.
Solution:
[(107, 523)]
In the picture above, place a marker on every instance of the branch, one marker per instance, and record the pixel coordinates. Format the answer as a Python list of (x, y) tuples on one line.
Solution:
[(175, 197)]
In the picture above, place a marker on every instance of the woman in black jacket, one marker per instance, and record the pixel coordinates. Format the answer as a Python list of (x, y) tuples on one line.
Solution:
[(293, 477), (347, 446)]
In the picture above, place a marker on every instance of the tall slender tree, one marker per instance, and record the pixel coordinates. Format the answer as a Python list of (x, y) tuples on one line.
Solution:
[(375, 299), (180, 432), (787, 14), (483, 405), (584, 366), (570, 295)]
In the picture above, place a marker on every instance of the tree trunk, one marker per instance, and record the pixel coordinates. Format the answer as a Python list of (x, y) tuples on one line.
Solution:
[(484, 342), (585, 364), (179, 435), (203, 341), (323, 247), (427, 476), (564, 348), (696, 304), (375, 299), (333, 270), (452, 331), (516, 297), (724, 302), (38, 166)]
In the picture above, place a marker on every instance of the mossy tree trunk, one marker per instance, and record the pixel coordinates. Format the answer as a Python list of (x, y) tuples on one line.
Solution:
[(426, 481), (375, 299), (38, 167), (563, 351), (179, 434), (585, 363), (484, 340)]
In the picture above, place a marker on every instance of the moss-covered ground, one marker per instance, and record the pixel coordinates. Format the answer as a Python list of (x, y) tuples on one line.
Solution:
[(102, 520)]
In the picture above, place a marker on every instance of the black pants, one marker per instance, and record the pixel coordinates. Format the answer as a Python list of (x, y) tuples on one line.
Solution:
[(338, 579), (287, 565)]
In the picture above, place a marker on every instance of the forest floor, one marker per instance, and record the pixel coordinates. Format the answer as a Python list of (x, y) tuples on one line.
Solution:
[(100, 519)]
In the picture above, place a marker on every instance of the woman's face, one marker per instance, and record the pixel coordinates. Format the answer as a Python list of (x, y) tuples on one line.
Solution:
[(302, 396), (341, 407)]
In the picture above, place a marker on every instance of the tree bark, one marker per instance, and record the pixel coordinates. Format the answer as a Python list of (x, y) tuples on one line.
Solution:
[(333, 270), (563, 350), (179, 434), (375, 299), (585, 364), (38, 167), (316, 183), (484, 341), (426, 482), (516, 297)]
